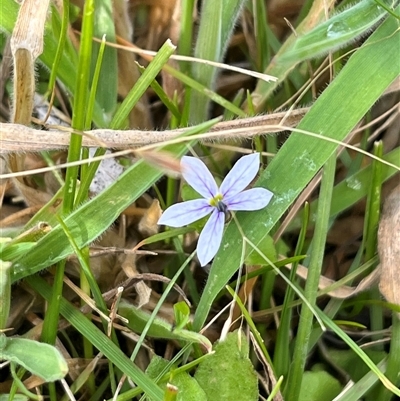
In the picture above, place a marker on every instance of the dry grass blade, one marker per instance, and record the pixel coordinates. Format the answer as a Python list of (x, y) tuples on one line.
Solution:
[(344, 291), (389, 248), (26, 45), (15, 137)]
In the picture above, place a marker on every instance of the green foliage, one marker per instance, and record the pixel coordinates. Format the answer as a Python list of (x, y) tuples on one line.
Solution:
[(83, 223), (159, 328), (302, 156), (319, 386), (336, 32), (358, 82), (41, 359), (188, 387), (228, 374), (268, 249)]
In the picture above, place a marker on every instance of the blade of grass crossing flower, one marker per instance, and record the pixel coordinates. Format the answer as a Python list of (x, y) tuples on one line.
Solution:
[(296, 371), (158, 306), (301, 157)]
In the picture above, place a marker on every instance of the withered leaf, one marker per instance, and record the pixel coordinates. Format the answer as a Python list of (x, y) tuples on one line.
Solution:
[(389, 248)]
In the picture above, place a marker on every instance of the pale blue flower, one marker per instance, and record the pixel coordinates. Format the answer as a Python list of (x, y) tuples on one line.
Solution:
[(230, 196)]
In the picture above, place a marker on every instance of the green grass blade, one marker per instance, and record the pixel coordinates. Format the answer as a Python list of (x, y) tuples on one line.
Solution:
[(281, 69), (98, 339), (336, 31), (216, 25), (162, 56), (296, 371), (106, 94)]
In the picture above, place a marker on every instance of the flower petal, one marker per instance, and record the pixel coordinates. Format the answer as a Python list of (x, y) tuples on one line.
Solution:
[(184, 213), (252, 199), (197, 175), (241, 175), (210, 238)]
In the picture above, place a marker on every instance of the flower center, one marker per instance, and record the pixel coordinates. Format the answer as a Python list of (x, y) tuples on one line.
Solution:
[(217, 202), (221, 207)]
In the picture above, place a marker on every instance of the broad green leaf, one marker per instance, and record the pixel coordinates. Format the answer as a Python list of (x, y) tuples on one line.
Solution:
[(13, 251), (41, 359), (302, 156), (268, 249), (352, 189), (349, 362), (228, 374)]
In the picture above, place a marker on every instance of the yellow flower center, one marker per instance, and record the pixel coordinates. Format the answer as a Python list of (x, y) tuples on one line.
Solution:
[(216, 200), (219, 204)]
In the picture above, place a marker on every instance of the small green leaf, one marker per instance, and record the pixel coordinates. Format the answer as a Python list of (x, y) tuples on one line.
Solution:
[(182, 314), (228, 374), (41, 359)]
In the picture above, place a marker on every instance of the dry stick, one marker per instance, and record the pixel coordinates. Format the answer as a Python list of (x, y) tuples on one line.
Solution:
[(20, 138)]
